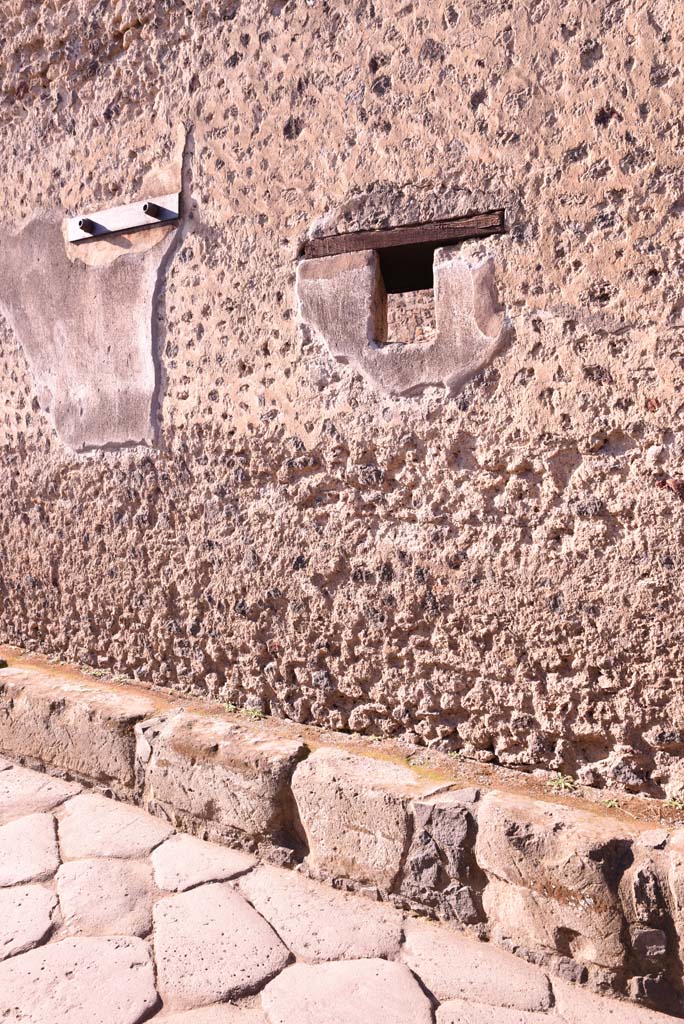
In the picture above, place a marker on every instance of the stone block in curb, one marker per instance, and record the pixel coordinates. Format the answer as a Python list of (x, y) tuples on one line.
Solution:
[(554, 874), (106, 897), (28, 849), (79, 981), (184, 861), (72, 724), (23, 791), (354, 811), (25, 918), (320, 923), (440, 870), (675, 874), (95, 826), (211, 946), (348, 992), (453, 966), (644, 888), (224, 773)]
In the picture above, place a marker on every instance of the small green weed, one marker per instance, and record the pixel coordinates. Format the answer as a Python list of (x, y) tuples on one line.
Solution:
[(676, 803), (562, 784), (611, 804), (230, 707), (254, 713)]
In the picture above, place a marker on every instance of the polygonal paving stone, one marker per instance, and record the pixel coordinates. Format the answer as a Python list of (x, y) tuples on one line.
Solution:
[(452, 966), (319, 923), (23, 791), (25, 918), (211, 946), (350, 992), (183, 861), (575, 1005), (28, 849), (79, 981), (457, 1012), (94, 826), (106, 897), (220, 1014)]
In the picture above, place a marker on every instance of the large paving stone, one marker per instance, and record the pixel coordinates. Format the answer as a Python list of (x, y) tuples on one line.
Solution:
[(350, 992), (452, 966), (211, 946), (225, 773), (25, 917), (79, 981), (184, 861), (214, 1015), (575, 1005), (67, 722), (458, 1012), (355, 814), (23, 791), (94, 826), (106, 897), (28, 849), (319, 923), (553, 878)]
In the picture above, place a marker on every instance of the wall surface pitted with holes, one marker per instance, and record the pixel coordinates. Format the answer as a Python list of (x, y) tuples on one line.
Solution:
[(496, 571)]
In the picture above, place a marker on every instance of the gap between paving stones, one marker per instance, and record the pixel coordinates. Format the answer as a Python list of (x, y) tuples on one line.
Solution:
[(595, 900)]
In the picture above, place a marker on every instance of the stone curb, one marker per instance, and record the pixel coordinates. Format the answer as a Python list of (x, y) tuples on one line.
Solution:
[(593, 900), (77, 726)]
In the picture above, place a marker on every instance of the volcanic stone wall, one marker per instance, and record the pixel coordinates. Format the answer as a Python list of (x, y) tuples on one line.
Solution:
[(198, 494)]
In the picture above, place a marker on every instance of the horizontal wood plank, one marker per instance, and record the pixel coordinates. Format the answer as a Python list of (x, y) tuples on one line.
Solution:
[(436, 233)]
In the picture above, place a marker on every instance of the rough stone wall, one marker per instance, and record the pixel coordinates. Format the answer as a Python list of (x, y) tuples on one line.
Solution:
[(496, 571)]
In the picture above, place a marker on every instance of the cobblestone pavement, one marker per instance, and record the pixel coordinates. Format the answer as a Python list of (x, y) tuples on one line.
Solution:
[(108, 917)]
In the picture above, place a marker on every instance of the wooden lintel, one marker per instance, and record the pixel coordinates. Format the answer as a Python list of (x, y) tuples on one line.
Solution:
[(434, 233)]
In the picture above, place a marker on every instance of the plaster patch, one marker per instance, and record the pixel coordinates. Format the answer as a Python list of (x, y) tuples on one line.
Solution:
[(87, 333)]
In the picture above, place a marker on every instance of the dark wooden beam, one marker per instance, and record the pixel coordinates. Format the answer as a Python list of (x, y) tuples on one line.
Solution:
[(434, 234)]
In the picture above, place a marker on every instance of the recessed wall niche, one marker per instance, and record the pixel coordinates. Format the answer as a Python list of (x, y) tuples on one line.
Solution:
[(402, 305)]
